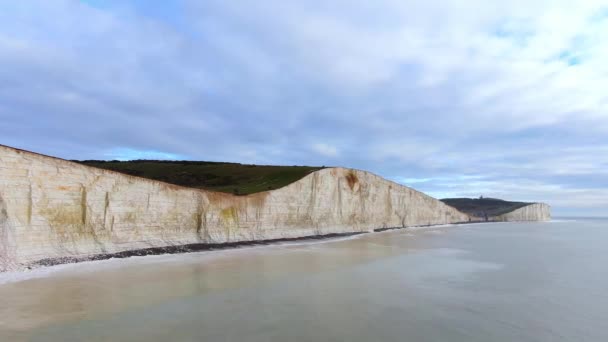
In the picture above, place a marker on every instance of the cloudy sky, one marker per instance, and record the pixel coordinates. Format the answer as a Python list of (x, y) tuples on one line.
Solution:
[(496, 98)]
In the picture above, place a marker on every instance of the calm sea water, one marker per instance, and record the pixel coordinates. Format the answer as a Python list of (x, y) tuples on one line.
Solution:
[(485, 282)]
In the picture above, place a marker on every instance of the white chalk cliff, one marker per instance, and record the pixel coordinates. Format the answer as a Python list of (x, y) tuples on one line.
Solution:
[(53, 209), (531, 212)]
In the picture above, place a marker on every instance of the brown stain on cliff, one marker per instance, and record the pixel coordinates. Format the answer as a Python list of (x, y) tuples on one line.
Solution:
[(223, 200), (105, 208), (3, 212), (66, 221), (63, 216), (230, 211), (30, 204), (389, 201), (229, 219), (220, 199), (200, 219), (229, 214), (198, 222), (257, 200), (129, 217), (352, 179), (5, 233), (69, 222), (83, 205)]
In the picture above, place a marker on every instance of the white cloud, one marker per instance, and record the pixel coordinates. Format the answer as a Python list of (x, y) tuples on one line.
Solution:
[(325, 150), (513, 91)]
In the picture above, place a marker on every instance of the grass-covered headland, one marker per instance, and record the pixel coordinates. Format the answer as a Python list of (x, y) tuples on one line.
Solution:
[(483, 207), (239, 179)]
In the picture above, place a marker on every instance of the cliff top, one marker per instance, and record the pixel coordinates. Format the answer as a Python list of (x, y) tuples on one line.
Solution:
[(481, 207), (235, 178)]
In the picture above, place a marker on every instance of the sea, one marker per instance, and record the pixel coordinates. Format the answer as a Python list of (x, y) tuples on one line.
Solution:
[(536, 281)]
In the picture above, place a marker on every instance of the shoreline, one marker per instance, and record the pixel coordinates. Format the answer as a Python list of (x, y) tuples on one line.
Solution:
[(203, 247), (50, 263), (184, 249)]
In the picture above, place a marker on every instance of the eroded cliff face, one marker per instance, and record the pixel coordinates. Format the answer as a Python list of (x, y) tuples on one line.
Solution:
[(532, 212), (53, 208), (7, 258)]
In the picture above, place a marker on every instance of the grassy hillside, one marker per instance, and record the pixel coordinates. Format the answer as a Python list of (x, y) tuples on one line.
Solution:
[(481, 207), (233, 178)]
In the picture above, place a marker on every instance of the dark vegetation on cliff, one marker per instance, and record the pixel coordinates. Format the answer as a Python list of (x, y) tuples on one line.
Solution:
[(239, 179), (483, 207)]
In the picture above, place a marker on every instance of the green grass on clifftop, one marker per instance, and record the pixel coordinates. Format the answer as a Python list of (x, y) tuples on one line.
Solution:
[(481, 207), (240, 179)]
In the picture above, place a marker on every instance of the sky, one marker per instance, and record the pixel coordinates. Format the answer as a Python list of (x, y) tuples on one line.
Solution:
[(503, 99)]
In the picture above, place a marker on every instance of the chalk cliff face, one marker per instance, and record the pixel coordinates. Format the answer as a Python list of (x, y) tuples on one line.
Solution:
[(53, 208), (532, 212)]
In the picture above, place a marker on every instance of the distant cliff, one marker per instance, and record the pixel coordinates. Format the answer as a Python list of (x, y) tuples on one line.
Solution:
[(530, 212), (53, 210)]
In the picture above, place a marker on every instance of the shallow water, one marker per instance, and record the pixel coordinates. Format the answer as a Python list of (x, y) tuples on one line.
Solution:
[(482, 282)]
